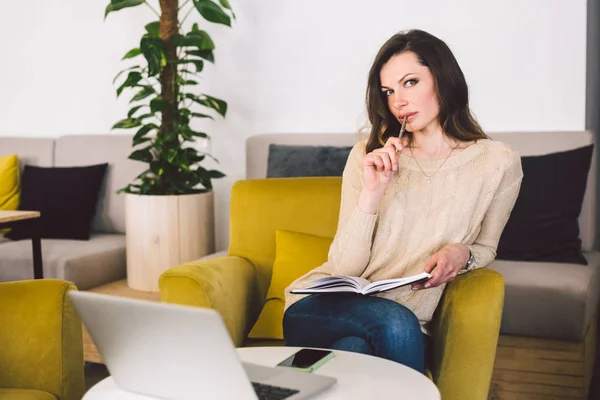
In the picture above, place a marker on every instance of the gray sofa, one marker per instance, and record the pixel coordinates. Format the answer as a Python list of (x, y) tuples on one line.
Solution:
[(86, 263), (550, 309)]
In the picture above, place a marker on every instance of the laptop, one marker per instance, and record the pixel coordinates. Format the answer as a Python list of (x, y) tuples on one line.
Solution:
[(180, 352)]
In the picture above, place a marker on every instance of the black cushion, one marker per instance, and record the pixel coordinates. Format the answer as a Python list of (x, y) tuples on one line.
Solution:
[(66, 198), (286, 161), (543, 225)]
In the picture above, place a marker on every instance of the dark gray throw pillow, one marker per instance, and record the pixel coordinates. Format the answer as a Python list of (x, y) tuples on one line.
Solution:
[(66, 198), (287, 161), (544, 224)]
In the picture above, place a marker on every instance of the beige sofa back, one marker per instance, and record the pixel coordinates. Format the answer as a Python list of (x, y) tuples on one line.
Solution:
[(526, 143), (79, 150), (33, 151)]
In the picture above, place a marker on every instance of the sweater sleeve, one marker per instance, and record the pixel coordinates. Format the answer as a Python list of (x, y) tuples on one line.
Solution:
[(493, 223), (350, 250)]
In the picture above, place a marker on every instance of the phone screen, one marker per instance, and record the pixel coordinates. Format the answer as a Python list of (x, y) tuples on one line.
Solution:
[(304, 358)]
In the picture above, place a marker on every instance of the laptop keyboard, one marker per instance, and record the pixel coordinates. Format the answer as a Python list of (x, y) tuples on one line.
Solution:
[(268, 392)]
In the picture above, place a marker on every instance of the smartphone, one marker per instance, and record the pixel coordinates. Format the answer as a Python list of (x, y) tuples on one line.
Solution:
[(307, 360)]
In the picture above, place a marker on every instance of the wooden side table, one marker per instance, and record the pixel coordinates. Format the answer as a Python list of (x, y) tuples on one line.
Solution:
[(9, 219)]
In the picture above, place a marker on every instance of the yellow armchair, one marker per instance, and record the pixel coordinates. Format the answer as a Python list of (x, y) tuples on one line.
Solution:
[(41, 349), (466, 324)]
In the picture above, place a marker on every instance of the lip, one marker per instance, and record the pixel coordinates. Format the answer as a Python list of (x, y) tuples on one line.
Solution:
[(409, 116)]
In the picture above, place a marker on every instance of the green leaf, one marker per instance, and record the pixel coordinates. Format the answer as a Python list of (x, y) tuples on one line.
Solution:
[(125, 70), (140, 141), (143, 155), (188, 82), (142, 132), (212, 12), (142, 94), (198, 63), (144, 116), (208, 101), (116, 5), (134, 110), (153, 51), (132, 80), (132, 53), (225, 3), (195, 38), (198, 134), (190, 134), (126, 124), (206, 54), (153, 29), (158, 104), (215, 174), (199, 115)]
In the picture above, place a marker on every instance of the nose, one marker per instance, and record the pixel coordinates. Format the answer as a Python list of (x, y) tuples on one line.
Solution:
[(398, 100)]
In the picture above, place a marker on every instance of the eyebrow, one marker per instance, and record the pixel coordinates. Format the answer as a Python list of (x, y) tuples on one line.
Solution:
[(385, 87)]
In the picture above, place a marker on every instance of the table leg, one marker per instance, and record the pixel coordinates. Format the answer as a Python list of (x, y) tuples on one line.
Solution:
[(36, 246)]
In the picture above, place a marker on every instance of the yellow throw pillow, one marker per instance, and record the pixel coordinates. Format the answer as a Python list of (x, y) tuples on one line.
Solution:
[(9, 182), (295, 255)]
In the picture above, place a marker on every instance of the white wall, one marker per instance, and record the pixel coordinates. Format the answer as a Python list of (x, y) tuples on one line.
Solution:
[(294, 66)]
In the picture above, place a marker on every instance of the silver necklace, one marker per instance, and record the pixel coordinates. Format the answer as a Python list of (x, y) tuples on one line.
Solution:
[(440, 167)]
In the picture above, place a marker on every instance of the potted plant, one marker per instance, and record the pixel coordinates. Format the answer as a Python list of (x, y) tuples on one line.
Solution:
[(169, 207)]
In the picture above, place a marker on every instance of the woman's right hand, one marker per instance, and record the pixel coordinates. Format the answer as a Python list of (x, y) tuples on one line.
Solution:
[(378, 168), (380, 164)]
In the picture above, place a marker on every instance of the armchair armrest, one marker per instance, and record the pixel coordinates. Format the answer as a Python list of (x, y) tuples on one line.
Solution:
[(225, 284), (41, 345), (466, 327)]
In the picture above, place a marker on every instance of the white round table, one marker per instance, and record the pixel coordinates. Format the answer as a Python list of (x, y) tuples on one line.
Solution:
[(359, 377)]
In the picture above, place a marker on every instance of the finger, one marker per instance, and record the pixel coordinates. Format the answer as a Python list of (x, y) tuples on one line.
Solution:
[(431, 265), (371, 160), (378, 162), (396, 143), (385, 158), (394, 156), (438, 273)]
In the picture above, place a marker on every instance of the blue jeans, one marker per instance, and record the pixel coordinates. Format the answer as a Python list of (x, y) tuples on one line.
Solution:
[(357, 323)]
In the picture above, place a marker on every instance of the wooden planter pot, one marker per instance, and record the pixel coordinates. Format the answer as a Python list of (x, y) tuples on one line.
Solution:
[(165, 231)]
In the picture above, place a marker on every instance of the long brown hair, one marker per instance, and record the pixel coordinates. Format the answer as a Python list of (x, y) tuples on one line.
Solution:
[(455, 116)]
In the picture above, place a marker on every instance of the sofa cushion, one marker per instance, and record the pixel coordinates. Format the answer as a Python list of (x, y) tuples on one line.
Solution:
[(87, 264), (289, 161), (113, 149), (543, 225), (549, 300), (66, 198), (9, 182), (295, 255), (25, 394)]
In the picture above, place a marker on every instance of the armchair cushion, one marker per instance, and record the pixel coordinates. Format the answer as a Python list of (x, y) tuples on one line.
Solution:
[(295, 255)]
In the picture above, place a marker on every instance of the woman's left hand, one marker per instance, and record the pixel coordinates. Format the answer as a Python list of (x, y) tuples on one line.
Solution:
[(444, 265)]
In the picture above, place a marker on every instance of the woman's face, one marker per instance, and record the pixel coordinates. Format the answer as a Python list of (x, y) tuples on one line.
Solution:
[(410, 91)]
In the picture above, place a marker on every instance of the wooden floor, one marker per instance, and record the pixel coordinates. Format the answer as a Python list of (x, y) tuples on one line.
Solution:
[(118, 288)]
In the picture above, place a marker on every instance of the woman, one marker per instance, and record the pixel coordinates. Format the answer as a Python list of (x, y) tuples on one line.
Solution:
[(435, 200)]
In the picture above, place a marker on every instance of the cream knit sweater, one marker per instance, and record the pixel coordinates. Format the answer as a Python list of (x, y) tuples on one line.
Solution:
[(468, 201)]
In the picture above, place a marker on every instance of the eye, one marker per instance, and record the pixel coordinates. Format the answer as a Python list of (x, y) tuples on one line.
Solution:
[(388, 92), (411, 82)]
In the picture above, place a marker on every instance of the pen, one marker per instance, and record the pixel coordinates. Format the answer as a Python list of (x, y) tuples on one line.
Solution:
[(402, 128)]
